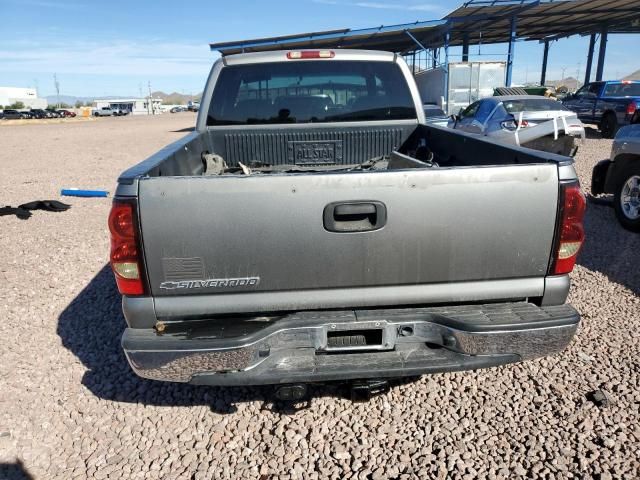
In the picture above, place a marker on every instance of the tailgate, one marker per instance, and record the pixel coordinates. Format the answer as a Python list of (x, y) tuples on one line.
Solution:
[(424, 230)]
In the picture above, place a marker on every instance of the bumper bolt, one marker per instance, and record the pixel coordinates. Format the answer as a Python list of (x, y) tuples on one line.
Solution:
[(405, 331)]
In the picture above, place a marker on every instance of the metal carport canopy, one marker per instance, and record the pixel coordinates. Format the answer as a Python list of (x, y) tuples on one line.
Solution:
[(489, 21), (477, 21), (389, 38)]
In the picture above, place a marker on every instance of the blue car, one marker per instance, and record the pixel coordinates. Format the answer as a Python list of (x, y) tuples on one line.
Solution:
[(610, 105)]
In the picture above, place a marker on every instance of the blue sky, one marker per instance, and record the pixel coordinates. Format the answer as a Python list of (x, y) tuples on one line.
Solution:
[(115, 47)]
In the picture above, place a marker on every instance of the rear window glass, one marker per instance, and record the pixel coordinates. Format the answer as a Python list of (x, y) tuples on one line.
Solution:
[(484, 110), (470, 111), (622, 90), (307, 92), (532, 105)]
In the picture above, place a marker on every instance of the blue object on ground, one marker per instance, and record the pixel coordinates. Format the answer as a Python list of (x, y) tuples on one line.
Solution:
[(76, 192)]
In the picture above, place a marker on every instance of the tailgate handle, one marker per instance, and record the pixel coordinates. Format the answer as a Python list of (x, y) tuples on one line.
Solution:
[(354, 216), (349, 209)]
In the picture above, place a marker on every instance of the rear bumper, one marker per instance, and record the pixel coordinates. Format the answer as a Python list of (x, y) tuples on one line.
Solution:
[(413, 342)]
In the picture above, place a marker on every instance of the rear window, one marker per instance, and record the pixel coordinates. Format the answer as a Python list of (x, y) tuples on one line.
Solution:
[(309, 92), (532, 105), (622, 90)]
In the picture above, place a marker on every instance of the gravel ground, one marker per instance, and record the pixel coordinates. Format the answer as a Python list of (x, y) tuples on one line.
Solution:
[(71, 408)]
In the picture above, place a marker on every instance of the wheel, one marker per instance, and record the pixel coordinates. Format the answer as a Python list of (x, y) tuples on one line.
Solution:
[(95, 114), (626, 201), (609, 125)]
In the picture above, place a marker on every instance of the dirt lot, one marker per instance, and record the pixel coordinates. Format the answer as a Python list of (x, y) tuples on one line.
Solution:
[(71, 408)]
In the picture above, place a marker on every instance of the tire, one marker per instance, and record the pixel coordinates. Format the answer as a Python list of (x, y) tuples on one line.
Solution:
[(95, 114), (609, 125), (626, 198)]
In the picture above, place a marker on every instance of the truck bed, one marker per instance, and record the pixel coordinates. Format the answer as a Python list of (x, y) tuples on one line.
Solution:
[(246, 243), (351, 144)]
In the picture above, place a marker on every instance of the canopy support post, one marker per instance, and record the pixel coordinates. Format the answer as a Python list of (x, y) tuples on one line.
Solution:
[(512, 46), (601, 53), (447, 37), (465, 48), (422, 47), (592, 45), (545, 57)]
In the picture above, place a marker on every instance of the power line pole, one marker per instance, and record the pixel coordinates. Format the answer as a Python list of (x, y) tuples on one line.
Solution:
[(57, 85), (578, 76), (149, 103)]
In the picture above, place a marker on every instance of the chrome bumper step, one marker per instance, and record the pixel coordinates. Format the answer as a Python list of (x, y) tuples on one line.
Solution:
[(412, 341)]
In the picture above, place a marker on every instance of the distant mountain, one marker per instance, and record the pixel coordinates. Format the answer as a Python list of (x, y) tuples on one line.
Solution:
[(71, 100), (68, 99), (175, 98), (573, 84), (633, 76), (570, 82)]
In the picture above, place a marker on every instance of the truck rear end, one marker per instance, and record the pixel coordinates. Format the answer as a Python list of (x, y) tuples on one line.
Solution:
[(313, 229)]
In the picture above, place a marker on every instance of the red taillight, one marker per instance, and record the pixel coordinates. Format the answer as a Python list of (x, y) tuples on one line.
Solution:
[(631, 108), (570, 230), (305, 54), (512, 125), (125, 255)]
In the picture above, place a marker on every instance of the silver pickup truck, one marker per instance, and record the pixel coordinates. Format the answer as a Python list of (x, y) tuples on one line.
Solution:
[(313, 228), (620, 176)]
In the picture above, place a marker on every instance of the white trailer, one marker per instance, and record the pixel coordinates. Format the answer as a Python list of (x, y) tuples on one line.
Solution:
[(467, 82)]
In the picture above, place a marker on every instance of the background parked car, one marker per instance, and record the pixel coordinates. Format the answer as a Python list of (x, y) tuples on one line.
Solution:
[(66, 113), (435, 115), (621, 176), (103, 112), (610, 104), (178, 109), (528, 120), (38, 113), (11, 114)]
